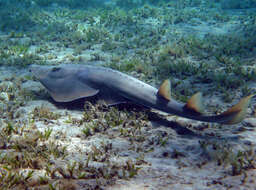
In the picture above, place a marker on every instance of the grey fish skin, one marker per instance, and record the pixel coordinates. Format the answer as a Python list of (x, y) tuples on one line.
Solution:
[(68, 82)]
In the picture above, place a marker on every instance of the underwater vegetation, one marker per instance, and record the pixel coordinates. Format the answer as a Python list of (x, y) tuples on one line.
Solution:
[(200, 45), (33, 158), (151, 35), (30, 158), (236, 161), (236, 4)]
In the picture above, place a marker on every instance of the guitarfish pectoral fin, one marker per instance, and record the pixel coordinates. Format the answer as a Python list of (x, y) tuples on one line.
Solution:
[(236, 113), (72, 91), (164, 90), (195, 104)]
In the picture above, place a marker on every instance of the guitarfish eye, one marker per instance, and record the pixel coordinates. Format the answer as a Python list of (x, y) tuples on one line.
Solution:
[(54, 69)]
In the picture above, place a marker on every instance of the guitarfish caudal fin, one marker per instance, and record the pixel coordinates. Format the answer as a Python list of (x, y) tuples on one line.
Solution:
[(233, 115), (237, 113), (194, 107)]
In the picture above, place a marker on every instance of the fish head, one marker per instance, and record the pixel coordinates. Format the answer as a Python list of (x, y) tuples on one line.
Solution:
[(42, 72), (56, 79), (62, 81)]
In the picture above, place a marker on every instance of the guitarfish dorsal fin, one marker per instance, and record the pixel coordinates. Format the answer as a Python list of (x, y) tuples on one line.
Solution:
[(195, 103), (165, 90)]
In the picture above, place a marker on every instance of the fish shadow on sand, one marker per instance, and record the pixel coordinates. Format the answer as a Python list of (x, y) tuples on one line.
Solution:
[(184, 132), (152, 116), (155, 118)]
